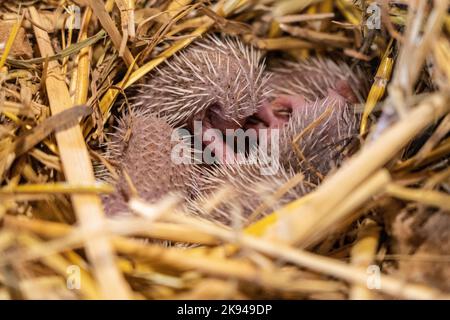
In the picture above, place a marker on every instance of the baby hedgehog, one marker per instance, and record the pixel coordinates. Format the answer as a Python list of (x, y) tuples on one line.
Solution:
[(312, 102), (320, 137), (142, 148), (220, 82)]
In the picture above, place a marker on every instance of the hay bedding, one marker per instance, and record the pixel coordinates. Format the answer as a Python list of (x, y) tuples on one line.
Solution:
[(386, 208)]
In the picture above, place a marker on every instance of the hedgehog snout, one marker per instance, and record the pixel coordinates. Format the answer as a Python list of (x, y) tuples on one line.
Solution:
[(276, 113)]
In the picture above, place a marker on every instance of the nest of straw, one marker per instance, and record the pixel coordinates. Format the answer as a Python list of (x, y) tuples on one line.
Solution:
[(377, 228)]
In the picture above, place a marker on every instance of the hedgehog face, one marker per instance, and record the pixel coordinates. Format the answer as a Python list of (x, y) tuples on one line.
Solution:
[(278, 110), (317, 136), (276, 113), (313, 135)]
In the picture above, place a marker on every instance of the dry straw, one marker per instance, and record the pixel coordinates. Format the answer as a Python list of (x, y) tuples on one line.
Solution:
[(56, 105)]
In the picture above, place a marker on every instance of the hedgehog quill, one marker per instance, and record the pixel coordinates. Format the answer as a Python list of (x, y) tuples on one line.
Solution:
[(141, 148), (219, 82), (312, 104)]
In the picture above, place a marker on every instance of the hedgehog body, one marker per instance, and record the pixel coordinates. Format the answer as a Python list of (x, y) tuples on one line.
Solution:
[(217, 80), (142, 148), (319, 138), (251, 183)]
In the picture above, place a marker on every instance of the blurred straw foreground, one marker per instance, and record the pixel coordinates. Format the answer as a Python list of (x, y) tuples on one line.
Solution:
[(377, 228)]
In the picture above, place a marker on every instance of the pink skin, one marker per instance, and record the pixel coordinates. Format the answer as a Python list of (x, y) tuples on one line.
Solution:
[(270, 115), (276, 113), (213, 141)]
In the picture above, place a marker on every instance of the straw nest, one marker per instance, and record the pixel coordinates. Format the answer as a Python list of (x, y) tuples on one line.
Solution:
[(378, 227)]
